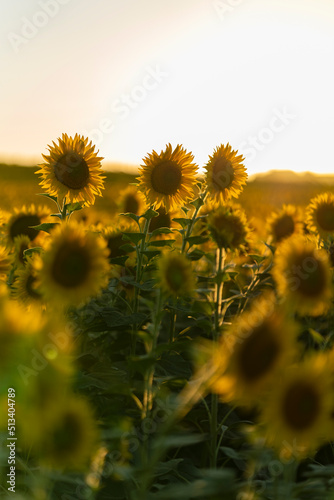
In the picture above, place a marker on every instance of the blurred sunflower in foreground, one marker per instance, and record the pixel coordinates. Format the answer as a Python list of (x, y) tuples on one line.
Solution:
[(297, 412), (168, 179), (285, 223), (253, 351), (226, 174), (74, 266), (320, 214), (72, 170), (303, 276)]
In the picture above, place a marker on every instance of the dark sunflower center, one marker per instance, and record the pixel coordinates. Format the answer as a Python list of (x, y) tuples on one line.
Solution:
[(325, 217), (283, 227), (67, 437), (309, 273), (72, 170), (161, 220), (175, 276), (71, 265), (166, 177), (114, 243), (131, 204), (20, 252), (31, 290), (222, 174), (258, 354), (21, 226), (301, 406)]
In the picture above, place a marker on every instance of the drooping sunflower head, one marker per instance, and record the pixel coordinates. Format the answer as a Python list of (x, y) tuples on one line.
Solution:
[(20, 222), (303, 276), (72, 169), (320, 215), (297, 411), (168, 179), (132, 201), (254, 350), (75, 265), (285, 223), (226, 174), (228, 227), (175, 274)]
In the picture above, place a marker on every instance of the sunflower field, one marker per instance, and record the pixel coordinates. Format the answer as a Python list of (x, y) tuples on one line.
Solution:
[(177, 343)]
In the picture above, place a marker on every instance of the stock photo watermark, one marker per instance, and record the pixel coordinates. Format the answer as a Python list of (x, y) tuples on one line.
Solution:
[(122, 107), (30, 27), (225, 7)]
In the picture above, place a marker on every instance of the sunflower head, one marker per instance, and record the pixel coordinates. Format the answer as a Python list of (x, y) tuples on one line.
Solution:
[(303, 276), (175, 274), (320, 214), (226, 174), (71, 436), (168, 179), (74, 266), (285, 223), (253, 350), (297, 411), (132, 201), (26, 284), (5, 262), (21, 243), (228, 227), (72, 169), (20, 222)]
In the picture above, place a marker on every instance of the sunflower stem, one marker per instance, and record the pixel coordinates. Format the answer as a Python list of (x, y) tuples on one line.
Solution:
[(220, 260), (192, 222), (140, 249)]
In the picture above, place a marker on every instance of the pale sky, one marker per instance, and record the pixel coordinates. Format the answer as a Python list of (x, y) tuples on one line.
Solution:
[(134, 75)]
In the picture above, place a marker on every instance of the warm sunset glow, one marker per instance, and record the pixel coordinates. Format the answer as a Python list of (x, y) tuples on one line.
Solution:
[(136, 75)]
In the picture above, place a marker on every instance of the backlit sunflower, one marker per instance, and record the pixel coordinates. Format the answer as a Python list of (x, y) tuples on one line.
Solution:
[(26, 286), (175, 274), (74, 266), (320, 214), (168, 179), (226, 174), (297, 411), (71, 436), (20, 221), (228, 227), (5, 262), (285, 223), (132, 200), (303, 276), (72, 170), (253, 351), (21, 243)]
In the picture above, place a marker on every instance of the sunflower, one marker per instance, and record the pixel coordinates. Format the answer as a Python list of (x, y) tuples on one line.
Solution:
[(70, 437), (5, 262), (74, 266), (303, 276), (72, 170), (21, 243), (132, 201), (113, 236), (21, 221), (297, 411), (228, 227), (175, 274), (320, 214), (226, 174), (168, 179), (285, 223), (253, 350), (25, 287)]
